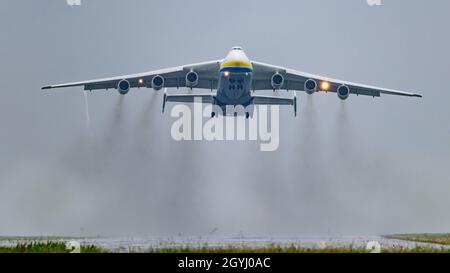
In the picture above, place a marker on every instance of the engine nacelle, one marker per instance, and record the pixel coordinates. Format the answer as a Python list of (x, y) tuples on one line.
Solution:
[(343, 92), (310, 86), (123, 87), (277, 81), (157, 83), (191, 79)]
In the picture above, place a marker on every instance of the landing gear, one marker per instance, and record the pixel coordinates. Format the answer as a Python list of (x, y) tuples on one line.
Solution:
[(295, 105)]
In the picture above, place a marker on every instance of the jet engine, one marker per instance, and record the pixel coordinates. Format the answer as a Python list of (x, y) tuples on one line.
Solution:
[(123, 87), (343, 92), (157, 83), (310, 86), (277, 81), (191, 79)]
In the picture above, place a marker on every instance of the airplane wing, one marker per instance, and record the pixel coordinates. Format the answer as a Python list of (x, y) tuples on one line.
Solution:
[(298, 81), (173, 77)]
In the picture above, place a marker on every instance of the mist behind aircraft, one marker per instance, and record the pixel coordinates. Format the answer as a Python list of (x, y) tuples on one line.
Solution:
[(364, 166)]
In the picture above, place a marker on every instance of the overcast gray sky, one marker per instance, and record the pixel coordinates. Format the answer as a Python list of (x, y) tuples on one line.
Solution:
[(363, 166)]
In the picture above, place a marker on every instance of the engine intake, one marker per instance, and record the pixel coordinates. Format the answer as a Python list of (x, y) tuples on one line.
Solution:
[(157, 82), (123, 87), (310, 86), (191, 79), (343, 92), (277, 81)]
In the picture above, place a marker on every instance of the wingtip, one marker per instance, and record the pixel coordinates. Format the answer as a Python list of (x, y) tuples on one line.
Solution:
[(418, 95), (46, 87)]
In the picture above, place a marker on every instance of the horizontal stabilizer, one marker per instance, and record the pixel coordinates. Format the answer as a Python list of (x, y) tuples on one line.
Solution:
[(271, 100), (187, 98)]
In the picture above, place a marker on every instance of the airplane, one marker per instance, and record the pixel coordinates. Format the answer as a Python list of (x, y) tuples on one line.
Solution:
[(233, 81)]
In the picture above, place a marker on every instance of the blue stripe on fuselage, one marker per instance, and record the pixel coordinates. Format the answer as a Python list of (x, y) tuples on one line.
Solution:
[(236, 69)]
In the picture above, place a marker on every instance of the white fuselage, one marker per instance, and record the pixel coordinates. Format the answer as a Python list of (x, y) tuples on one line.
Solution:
[(235, 79)]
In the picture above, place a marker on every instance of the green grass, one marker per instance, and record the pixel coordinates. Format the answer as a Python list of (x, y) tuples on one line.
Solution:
[(60, 247), (57, 245), (46, 247), (269, 249), (294, 249)]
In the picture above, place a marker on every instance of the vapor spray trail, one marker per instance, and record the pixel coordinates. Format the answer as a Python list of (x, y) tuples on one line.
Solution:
[(111, 143), (90, 156), (309, 139), (116, 125), (86, 106), (347, 147), (310, 148), (145, 128), (343, 130)]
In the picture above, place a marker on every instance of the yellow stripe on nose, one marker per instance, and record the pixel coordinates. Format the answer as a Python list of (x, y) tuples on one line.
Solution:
[(236, 64)]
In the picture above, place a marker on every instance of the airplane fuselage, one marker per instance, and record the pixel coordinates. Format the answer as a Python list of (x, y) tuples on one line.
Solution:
[(235, 81)]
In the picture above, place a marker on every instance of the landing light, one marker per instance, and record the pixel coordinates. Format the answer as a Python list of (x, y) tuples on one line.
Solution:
[(141, 81), (325, 86), (226, 73)]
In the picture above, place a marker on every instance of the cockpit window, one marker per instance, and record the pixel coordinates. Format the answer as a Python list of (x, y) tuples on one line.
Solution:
[(237, 48)]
